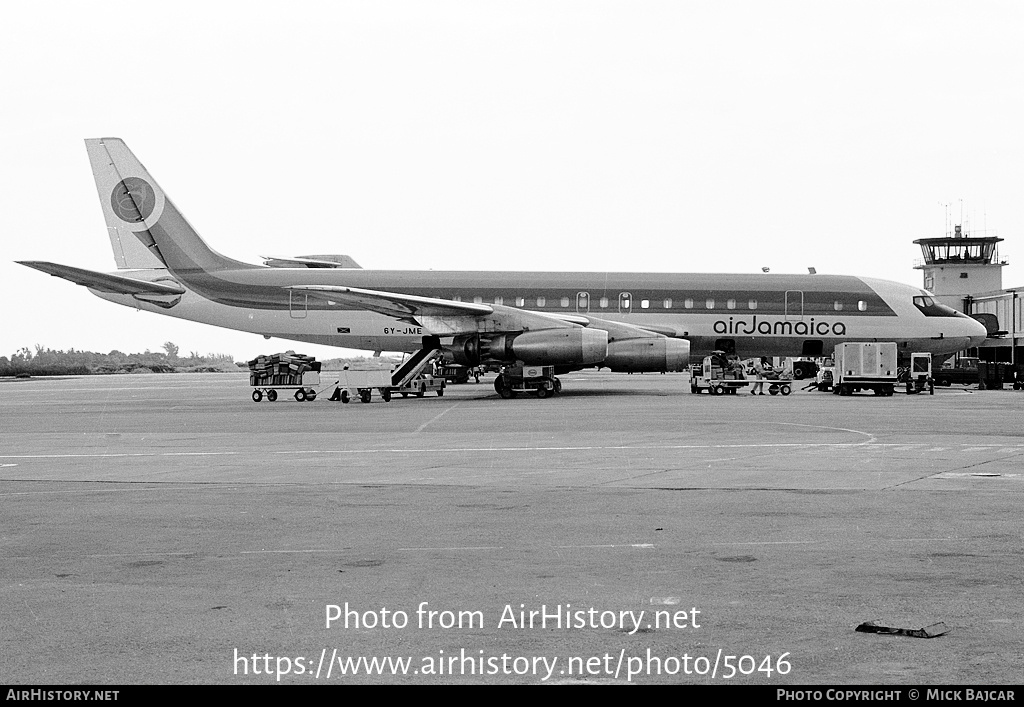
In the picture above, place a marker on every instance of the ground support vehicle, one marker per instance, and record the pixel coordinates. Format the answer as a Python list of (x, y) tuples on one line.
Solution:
[(777, 383), (455, 373), (719, 376), (803, 368), (284, 371), (918, 378), (963, 371), (714, 382), (303, 385), (865, 366), (421, 385), (362, 383), (519, 378)]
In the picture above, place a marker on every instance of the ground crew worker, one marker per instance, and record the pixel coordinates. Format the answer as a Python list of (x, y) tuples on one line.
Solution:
[(758, 388)]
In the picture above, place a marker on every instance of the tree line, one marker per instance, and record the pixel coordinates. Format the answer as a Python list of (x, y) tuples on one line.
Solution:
[(44, 361)]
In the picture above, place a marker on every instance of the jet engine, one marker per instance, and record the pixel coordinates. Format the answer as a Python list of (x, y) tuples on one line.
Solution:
[(546, 347), (649, 355)]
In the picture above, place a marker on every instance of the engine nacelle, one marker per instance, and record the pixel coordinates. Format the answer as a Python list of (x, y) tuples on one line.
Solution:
[(546, 347), (651, 355), (575, 345)]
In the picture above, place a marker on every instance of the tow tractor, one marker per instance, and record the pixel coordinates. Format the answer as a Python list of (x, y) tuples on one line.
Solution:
[(717, 375), (519, 378), (363, 383), (918, 377), (420, 385)]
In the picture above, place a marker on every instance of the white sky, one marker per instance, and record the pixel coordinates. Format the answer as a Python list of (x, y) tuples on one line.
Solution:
[(627, 136)]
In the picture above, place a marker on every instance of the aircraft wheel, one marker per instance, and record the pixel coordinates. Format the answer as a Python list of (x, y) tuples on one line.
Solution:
[(310, 396), (272, 395), (785, 390), (300, 395), (257, 395), (345, 397)]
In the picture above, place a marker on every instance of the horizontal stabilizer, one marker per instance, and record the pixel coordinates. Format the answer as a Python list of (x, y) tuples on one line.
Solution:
[(393, 303), (103, 282)]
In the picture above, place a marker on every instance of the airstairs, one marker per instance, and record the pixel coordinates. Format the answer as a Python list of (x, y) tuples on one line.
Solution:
[(415, 365)]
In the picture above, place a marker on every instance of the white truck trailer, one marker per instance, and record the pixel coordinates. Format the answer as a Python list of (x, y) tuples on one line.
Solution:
[(865, 366)]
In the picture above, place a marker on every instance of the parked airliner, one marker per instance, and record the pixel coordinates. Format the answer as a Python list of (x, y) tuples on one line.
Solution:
[(570, 320)]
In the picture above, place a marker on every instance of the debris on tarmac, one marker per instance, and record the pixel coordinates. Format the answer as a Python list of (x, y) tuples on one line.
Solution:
[(932, 631)]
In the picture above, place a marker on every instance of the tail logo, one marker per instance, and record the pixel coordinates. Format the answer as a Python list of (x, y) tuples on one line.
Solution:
[(133, 200)]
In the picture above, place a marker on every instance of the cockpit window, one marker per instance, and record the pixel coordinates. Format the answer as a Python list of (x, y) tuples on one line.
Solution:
[(930, 308)]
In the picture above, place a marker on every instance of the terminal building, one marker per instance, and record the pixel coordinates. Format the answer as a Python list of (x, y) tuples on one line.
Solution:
[(965, 272)]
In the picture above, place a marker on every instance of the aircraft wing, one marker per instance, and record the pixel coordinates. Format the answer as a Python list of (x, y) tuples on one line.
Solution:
[(395, 304), (103, 282), (621, 329), (442, 316)]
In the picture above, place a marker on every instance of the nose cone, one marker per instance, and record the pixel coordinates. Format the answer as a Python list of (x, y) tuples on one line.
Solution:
[(975, 331)]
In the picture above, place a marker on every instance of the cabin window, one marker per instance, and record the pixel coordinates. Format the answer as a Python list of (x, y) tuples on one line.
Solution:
[(667, 304), (645, 304), (752, 304), (603, 302), (565, 302), (838, 306), (499, 300), (541, 301), (520, 301), (457, 298), (709, 303), (478, 300), (731, 304), (688, 303), (862, 306)]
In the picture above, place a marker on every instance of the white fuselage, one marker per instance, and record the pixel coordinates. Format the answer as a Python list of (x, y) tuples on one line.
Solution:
[(769, 315)]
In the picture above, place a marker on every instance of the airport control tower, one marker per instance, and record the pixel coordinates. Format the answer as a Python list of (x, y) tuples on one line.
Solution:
[(960, 265)]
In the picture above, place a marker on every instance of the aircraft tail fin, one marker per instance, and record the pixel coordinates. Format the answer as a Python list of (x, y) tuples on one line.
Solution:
[(146, 230)]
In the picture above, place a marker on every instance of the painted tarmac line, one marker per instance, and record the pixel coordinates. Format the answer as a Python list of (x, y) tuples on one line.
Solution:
[(581, 448)]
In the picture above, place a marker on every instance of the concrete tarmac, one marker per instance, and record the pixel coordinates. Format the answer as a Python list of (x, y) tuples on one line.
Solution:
[(166, 529)]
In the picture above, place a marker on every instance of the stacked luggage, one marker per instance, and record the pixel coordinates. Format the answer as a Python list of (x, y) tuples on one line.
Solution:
[(282, 369)]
